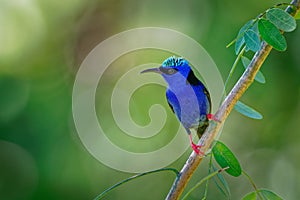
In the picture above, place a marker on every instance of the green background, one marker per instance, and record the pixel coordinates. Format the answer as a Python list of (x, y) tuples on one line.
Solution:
[(42, 44)]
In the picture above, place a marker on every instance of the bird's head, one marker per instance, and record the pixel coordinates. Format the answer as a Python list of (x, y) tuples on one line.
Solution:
[(175, 71)]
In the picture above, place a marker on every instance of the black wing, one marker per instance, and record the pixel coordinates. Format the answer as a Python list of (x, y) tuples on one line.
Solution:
[(192, 79), (208, 97)]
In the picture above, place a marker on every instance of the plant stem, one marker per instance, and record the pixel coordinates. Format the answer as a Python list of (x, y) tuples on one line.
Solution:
[(234, 66), (207, 181), (232, 70), (253, 184), (203, 180), (134, 177), (212, 130)]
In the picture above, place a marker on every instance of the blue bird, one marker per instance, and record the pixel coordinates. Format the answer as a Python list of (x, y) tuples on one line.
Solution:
[(186, 95)]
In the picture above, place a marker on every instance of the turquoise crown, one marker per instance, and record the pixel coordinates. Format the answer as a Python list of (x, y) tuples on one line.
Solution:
[(174, 62)]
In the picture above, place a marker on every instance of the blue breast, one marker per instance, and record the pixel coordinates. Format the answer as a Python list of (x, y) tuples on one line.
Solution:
[(190, 104), (186, 95)]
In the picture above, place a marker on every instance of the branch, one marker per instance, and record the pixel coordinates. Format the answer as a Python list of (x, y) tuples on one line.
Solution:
[(212, 130)]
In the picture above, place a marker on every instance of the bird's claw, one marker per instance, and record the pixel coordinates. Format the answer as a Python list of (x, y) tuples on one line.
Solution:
[(212, 117), (196, 149)]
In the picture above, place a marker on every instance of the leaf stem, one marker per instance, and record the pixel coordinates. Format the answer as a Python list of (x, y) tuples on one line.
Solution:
[(233, 68), (207, 181), (203, 180), (231, 43), (250, 179), (253, 184)]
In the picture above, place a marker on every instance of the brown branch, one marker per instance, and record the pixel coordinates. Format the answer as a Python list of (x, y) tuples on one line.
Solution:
[(211, 132)]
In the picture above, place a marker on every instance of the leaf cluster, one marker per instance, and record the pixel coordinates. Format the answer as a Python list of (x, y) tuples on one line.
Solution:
[(269, 27), (226, 159)]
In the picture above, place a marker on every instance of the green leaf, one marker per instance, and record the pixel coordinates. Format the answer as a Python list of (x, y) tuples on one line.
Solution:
[(259, 76), (240, 37), (225, 158), (255, 28), (224, 187), (283, 20), (269, 195), (238, 44), (271, 34), (263, 193), (246, 61), (247, 110), (252, 40), (250, 196)]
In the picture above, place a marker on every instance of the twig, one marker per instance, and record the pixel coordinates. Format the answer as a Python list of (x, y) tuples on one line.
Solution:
[(100, 196), (211, 132), (253, 184), (203, 180)]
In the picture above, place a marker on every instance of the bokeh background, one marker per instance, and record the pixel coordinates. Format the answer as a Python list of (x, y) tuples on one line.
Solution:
[(42, 44)]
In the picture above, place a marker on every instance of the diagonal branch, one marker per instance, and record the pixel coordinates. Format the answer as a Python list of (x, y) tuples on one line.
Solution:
[(211, 132)]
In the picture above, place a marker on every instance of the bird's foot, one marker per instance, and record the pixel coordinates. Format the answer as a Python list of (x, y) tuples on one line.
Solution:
[(212, 117), (195, 147)]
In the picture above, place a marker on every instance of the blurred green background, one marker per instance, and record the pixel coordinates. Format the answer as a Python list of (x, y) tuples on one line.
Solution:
[(42, 44)]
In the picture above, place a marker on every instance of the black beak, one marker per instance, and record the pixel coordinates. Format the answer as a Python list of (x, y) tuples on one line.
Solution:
[(156, 70)]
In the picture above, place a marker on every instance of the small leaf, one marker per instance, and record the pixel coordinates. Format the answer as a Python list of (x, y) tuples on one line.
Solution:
[(252, 40), (250, 196), (255, 28), (247, 48), (238, 44), (259, 76), (269, 195), (271, 34), (224, 187), (225, 158), (240, 37), (283, 20), (247, 110), (246, 61)]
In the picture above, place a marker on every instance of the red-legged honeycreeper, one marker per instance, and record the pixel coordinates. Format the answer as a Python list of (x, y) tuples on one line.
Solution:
[(186, 95)]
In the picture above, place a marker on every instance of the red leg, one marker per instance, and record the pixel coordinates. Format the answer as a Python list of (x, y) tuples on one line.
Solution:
[(212, 117), (195, 147)]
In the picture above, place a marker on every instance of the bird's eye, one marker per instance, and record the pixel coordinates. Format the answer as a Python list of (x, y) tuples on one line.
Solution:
[(171, 71), (168, 70)]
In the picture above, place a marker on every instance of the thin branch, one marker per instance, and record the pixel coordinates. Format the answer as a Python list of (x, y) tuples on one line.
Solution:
[(209, 176), (253, 184), (211, 132), (100, 196)]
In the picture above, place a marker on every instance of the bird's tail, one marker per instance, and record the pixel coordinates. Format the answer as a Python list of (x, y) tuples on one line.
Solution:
[(202, 127)]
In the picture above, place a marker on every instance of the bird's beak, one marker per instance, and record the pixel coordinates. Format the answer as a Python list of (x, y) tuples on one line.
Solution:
[(156, 70)]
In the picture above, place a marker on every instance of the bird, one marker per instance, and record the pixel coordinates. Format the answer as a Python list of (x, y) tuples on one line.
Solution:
[(187, 96)]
